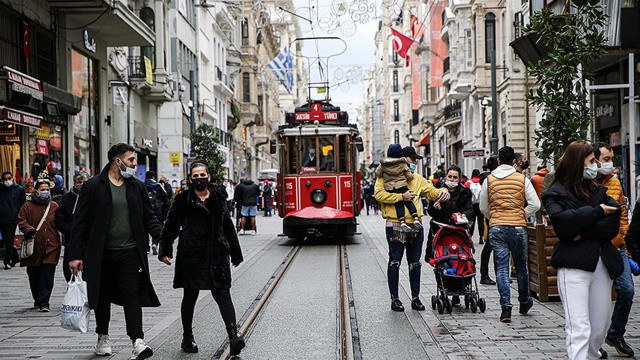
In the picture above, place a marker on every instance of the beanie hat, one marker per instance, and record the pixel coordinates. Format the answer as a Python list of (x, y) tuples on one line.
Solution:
[(394, 151)]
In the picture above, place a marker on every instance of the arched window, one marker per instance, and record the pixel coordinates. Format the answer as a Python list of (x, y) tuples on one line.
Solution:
[(396, 137), (489, 36)]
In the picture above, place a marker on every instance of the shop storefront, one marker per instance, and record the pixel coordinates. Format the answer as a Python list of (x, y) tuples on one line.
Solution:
[(145, 141), (33, 126)]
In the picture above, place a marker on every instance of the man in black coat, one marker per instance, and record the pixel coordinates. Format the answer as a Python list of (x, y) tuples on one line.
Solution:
[(64, 218), (110, 234), (12, 197)]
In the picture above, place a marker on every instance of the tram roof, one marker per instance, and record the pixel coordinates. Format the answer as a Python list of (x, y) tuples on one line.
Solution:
[(311, 130)]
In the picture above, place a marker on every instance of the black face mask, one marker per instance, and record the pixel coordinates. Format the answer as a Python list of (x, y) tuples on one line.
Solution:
[(200, 183), (525, 165)]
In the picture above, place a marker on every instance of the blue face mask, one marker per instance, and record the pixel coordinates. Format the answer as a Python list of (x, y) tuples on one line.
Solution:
[(591, 172), (413, 167)]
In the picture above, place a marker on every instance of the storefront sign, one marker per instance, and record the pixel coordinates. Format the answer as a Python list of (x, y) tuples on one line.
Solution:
[(20, 117), (174, 158), (42, 147), (606, 109), (24, 84), (89, 43), (470, 153), (145, 137)]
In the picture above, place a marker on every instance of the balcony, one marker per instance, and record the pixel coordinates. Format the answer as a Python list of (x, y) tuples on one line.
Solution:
[(453, 111), (222, 82), (160, 90), (223, 138), (250, 114)]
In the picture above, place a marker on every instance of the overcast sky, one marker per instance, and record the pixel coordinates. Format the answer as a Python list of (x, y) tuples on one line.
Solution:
[(359, 38)]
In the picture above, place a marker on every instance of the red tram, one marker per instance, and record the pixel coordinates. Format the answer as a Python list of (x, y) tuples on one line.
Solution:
[(318, 183)]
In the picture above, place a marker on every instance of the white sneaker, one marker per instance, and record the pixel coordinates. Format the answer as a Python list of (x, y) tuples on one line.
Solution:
[(255, 232), (103, 346), (241, 232), (140, 350), (155, 249)]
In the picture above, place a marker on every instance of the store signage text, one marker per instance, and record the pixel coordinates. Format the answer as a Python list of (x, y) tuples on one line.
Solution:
[(21, 118), (467, 153), (23, 83)]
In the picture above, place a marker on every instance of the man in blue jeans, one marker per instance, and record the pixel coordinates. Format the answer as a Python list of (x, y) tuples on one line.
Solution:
[(623, 284), (400, 241), (502, 200)]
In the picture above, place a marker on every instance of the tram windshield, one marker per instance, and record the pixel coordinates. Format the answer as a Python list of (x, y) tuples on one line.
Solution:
[(315, 154)]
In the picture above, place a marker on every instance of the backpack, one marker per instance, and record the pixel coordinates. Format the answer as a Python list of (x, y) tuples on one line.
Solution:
[(475, 190), (153, 199)]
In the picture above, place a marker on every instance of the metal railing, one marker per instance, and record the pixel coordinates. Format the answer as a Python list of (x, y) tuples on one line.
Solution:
[(136, 67), (453, 110), (220, 76)]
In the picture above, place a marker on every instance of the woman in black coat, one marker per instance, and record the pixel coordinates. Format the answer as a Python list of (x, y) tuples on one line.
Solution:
[(460, 202), (585, 220), (207, 239), (632, 240)]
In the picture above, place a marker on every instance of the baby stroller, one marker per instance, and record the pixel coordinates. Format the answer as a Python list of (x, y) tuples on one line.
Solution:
[(454, 268)]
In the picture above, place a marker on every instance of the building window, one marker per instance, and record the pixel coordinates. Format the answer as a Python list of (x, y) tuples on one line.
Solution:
[(395, 80), (468, 45), (396, 110), (396, 137), (489, 36), (246, 88), (245, 32), (149, 18), (85, 131)]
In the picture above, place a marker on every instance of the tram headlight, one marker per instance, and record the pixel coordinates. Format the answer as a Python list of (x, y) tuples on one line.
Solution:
[(318, 196)]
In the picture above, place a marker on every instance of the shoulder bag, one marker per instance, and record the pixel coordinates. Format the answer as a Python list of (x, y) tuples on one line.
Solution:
[(26, 246)]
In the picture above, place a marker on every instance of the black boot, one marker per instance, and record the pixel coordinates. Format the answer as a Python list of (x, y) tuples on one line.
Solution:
[(188, 344), (236, 341)]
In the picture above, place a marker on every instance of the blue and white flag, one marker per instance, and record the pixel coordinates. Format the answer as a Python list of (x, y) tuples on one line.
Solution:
[(282, 68)]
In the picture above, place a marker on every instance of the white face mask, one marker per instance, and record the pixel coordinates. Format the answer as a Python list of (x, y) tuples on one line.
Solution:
[(128, 172), (606, 168), (451, 184), (8, 183)]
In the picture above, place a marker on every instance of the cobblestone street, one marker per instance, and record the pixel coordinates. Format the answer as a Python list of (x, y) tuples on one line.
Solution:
[(298, 322)]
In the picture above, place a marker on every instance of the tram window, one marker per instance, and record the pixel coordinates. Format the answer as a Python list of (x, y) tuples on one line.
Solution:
[(342, 156), (327, 151), (291, 156), (310, 157)]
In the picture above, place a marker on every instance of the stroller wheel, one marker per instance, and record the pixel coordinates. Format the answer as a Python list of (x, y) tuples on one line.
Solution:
[(474, 305), (466, 301), (449, 306), (440, 306), (434, 301), (482, 305)]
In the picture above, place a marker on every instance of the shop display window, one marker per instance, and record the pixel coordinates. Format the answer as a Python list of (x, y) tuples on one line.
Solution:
[(45, 151)]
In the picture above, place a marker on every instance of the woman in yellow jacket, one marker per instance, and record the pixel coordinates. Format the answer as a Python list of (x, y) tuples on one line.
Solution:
[(397, 239)]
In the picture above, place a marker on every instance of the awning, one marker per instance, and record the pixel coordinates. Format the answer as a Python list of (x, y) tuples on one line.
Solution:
[(424, 140), (20, 117)]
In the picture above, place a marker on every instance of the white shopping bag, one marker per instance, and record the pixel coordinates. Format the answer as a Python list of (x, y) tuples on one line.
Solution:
[(75, 306)]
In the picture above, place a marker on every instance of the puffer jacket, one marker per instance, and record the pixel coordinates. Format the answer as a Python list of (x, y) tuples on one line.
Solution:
[(538, 180), (394, 172), (207, 240), (419, 185), (571, 218), (614, 189)]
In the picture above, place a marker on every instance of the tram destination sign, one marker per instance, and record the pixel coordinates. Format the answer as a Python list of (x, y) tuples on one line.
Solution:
[(316, 113)]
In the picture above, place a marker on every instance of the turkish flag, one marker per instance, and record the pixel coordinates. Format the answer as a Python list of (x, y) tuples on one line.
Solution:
[(414, 23), (401, 44)]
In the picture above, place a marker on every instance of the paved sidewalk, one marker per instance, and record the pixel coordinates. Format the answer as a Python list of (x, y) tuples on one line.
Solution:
[(27, 333), (463, 334)]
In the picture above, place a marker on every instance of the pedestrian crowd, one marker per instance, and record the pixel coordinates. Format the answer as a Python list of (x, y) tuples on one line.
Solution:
[(105, 223), (582, 200)]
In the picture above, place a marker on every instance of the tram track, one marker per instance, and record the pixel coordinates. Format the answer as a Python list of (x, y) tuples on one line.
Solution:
[(347, 338)]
